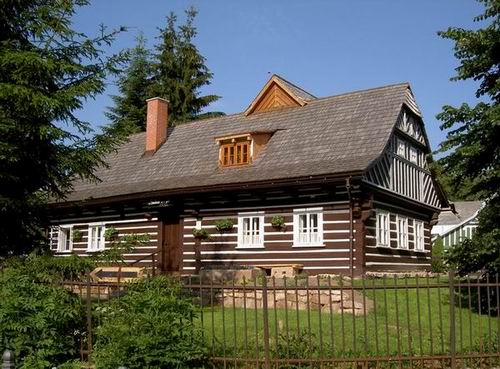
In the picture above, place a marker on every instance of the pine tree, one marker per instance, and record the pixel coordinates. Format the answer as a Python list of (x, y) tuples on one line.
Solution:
[(128, 115), (472, 144), (180, 71), (47, 70)]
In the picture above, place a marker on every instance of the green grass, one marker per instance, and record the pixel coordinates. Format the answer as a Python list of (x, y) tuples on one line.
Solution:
[(403, 322)]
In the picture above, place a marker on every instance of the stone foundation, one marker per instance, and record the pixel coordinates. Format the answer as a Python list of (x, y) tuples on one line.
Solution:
[(336, 301)]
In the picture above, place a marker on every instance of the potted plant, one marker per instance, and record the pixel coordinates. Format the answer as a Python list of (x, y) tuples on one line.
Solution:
[(224, 225), (201, 234), (278, 222)]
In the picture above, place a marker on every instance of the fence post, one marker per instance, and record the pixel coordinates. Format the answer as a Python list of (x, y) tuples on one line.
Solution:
[(265, 316), (451, 281), (7, 360), (88, 303)]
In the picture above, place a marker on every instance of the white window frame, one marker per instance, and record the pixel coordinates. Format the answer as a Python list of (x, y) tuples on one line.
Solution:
[(258, 241), (102, 242), (401, 144), (413, 155), (402, 234), (418, 235), (383, 234), (63, 232), (297, 240)]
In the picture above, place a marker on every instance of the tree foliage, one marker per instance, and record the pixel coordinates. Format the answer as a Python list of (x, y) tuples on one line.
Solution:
[(151, 326), (180, 71), (128, 115), (47, 71), (40, 322), (472, 160)]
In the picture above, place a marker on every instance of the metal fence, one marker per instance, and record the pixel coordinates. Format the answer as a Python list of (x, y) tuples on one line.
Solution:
[(387, 321), (396, 321)]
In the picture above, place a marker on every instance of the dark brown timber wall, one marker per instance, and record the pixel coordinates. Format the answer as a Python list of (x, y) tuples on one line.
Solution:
[(391, 258), (139, 225), (222, 250)]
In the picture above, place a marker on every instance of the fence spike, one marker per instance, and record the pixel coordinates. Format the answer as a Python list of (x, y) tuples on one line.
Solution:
[(7, 360)]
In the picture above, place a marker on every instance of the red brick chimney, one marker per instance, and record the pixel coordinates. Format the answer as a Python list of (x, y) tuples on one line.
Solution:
[(156, 123)]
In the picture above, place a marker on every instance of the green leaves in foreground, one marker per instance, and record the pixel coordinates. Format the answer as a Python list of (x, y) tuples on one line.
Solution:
[(152, 326)]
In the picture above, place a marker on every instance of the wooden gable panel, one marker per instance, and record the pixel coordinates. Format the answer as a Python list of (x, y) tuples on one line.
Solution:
[(275, 98)]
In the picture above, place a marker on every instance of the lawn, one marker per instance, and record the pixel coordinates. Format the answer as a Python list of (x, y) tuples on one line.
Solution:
[(402, 322)]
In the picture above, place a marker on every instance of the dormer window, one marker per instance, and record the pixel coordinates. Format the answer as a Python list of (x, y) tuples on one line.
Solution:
[(241, 149), (235, 153)]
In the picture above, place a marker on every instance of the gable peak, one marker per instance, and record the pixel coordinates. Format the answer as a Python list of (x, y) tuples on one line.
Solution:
[(278, 93)]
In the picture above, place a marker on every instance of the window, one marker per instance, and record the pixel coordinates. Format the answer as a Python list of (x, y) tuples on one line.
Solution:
[(413, 155), (65, 239), (235, 153), (401, 148), (382, 228), (308, 227), (251, 230), (96, 238), (418, 235), (402, 223)]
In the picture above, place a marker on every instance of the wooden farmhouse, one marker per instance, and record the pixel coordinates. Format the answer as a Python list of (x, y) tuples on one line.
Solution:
[(336, 184), (457, 222)]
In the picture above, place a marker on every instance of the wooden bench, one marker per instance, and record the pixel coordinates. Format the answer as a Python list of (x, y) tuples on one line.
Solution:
[(281, 270), (115, 274)]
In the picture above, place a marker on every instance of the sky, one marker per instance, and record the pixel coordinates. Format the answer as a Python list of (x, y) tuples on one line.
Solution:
[(327, 47)]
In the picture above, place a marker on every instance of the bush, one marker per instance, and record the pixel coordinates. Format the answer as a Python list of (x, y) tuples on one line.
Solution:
[(48, 268), (149, 327), (437, 262), (39, 322)]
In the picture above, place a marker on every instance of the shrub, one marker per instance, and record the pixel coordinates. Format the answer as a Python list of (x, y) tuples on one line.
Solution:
[(48, 268), (114, 252), (39, 322), (149, 327), (224, 225), (437, 260)]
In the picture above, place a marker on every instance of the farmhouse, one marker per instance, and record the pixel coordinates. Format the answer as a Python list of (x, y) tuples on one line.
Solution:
[(335, 184), (457, 222)]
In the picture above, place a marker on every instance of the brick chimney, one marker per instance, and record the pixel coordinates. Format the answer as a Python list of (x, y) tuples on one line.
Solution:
[(156, 123)]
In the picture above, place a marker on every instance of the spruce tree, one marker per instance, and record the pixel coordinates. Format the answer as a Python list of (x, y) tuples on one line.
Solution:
[(180, 71), (47, 71), (128, 115), (472, 144)]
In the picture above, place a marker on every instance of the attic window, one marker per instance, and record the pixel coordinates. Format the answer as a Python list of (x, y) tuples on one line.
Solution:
[(236, 152)]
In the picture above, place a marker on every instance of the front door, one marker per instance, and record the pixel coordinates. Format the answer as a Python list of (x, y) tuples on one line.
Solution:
[(171, 251)]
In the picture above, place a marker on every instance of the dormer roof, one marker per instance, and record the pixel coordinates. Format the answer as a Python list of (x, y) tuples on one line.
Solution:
[(278, 93)]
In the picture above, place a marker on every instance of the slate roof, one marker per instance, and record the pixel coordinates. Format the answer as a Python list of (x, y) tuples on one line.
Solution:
[(464, 209), (328, 136)]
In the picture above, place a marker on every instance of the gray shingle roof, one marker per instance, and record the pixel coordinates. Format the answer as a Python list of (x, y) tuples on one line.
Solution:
[(464, 209), (327, 136), (296, 90)]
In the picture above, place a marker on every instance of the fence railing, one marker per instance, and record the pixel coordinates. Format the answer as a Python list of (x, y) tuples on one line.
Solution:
[(386, 321), (414, 322)]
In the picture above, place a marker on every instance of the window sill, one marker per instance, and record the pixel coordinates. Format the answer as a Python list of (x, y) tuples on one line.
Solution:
[(93, 251), (249, 247), (309, 245)]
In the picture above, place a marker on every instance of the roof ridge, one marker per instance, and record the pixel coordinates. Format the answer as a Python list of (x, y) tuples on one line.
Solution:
[(364, 90), (294, 85), (204, 120)]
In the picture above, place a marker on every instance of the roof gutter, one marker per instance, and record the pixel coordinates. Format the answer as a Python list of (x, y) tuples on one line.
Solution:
[(355, 175)]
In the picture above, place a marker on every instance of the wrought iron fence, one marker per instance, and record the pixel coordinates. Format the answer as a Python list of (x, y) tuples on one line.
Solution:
[(384, 321), (326, 321)]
